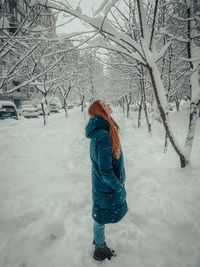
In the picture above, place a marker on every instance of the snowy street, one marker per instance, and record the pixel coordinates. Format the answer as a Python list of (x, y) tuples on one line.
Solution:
[(45, 196), (76, 68)]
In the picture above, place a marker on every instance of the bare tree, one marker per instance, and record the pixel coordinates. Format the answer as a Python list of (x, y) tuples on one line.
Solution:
[(141, 49)]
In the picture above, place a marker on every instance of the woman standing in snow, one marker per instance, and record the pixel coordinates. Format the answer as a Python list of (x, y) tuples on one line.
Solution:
[(108, 175)]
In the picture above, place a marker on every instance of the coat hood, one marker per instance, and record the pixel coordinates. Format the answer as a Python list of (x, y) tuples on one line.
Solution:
[(94, 124)]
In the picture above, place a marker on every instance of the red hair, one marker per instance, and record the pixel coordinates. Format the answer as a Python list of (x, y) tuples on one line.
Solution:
[(97, 109)]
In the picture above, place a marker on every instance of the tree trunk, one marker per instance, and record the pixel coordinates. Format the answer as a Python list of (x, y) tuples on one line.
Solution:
[(65, 108), (177, 104), (156, 81), (147, 117), (82, 103), (194, 82), (128, 110), (140, 113), (123, 105), (166, 143), (128, 103), (145, 102), (194, 110), (43, 114)]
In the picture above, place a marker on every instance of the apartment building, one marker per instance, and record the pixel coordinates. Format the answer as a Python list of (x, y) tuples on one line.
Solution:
[(20, 13), (16, 16)]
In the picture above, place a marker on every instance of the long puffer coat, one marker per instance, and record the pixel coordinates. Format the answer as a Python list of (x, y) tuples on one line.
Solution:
[(108, 174)]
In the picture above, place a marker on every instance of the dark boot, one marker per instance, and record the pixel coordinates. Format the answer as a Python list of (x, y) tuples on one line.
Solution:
[(101, 254)]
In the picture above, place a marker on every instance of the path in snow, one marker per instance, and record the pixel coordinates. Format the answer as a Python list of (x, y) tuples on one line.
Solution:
[(45, 197)]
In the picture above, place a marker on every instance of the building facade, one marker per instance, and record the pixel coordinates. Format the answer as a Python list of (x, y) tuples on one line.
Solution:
[(20, 12), (16, 16)]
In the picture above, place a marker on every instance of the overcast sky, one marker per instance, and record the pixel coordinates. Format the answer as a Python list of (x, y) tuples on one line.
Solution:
[(87, 6)]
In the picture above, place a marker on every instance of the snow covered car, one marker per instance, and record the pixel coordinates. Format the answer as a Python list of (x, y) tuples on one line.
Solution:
[(70, 106), (54, 107), (29, 111), (8, 110), (46, 109)]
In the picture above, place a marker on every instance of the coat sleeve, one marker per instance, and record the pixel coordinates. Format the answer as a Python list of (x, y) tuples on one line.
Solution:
[(105, 158)]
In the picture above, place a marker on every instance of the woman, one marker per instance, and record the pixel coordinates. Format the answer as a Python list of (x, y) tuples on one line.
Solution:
[(108, 175)]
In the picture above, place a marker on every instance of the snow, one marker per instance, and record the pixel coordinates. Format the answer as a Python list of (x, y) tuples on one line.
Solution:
[(45, 195), (162, 52), (118, 37), (158, 82)]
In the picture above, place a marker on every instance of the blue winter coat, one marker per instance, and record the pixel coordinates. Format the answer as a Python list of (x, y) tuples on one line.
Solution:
[(108, 174)]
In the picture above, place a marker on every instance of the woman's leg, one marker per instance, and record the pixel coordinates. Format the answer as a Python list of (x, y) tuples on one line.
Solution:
[(101, 251), (99, 234)]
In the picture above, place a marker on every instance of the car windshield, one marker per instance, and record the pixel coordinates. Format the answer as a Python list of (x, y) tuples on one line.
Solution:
[(7, 109)]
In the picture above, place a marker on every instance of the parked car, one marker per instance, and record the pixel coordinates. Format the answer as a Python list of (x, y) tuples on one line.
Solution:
[(40, 111), (74, 104), (80, 104), (29, 111), (54, 100), (54, 107), (70, 107), (8, 110), (134, 107)]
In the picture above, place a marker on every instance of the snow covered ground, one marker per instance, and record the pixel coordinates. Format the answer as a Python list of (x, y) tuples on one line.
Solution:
[(45, 196)]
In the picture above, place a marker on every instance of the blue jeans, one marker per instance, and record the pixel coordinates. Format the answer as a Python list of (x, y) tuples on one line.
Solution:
[(99, 234)]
